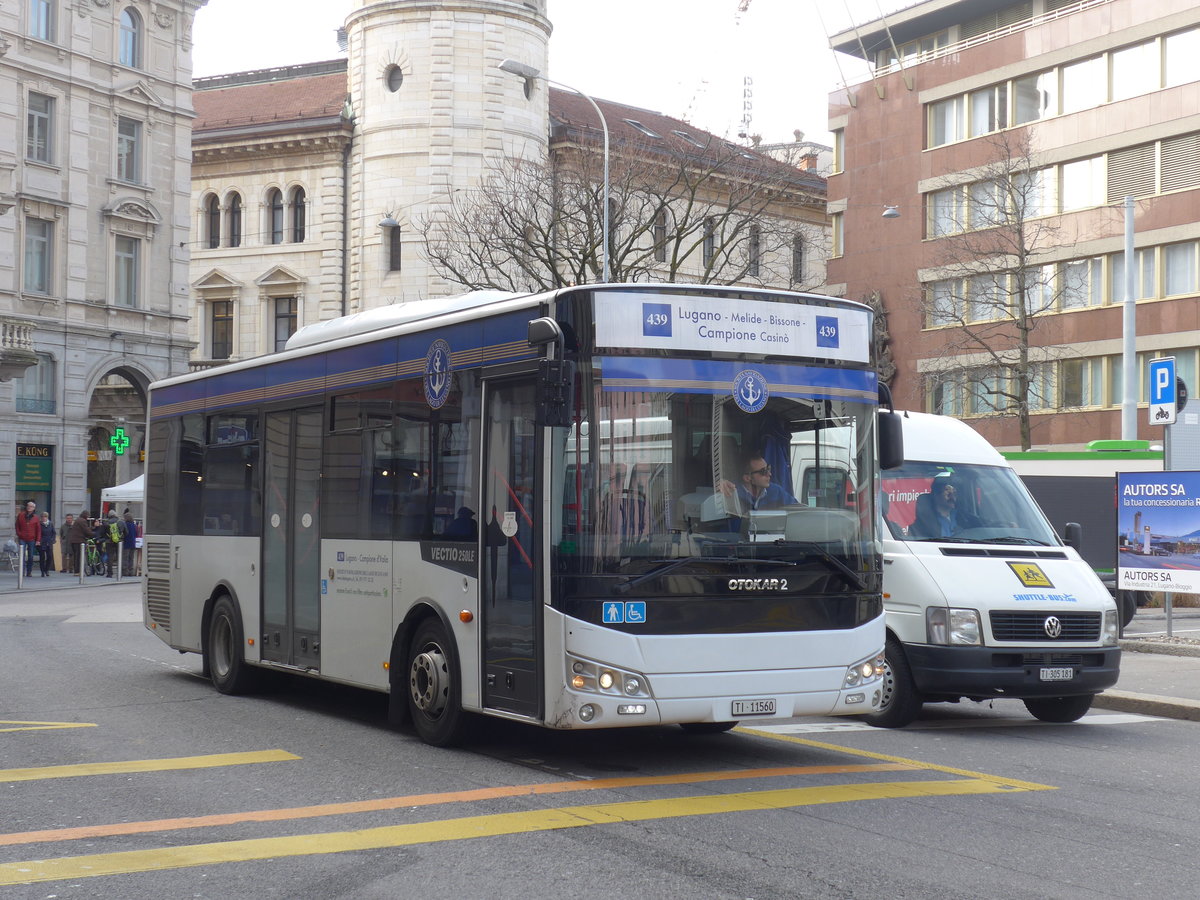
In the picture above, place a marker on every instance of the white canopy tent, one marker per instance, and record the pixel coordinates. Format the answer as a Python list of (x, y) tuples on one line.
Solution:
[(130, 492)]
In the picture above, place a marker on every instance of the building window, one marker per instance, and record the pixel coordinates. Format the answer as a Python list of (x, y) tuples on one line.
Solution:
[(710, 241), (754, 251), (212, 222), (1181, 57), (946, 121), (1081, 383), (988, 109), (298, 215), (394, 248), (1083, 184), (839, 150), (233, 214), (945, 303), (1144, 286), (41, 19), (797, 259), (127, 286), (39, 237), (220, 327), (1035, 97), (35, 391), (39, 129), (1082, 283), (1179, 269), (944, 212), (285, 320), (1136, 70), (129, 150), (129, 51), (1084, 84), (838, 246), (660, 236), (275, 211), (946, 395)]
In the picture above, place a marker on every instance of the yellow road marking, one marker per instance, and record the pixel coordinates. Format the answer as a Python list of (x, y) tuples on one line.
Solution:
[(43, 726), (166, 858), (146, 765), (386, 803), (916, 764)]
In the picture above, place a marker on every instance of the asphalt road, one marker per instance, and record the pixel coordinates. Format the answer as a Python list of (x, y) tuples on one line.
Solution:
[(124, 774)]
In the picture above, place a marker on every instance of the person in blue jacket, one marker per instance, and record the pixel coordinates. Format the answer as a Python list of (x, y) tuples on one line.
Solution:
[(757, 490)]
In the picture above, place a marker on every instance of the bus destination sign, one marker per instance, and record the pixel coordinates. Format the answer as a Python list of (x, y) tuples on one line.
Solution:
[(643, 321)]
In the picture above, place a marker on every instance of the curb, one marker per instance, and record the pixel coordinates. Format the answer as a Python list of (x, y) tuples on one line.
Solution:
[(1162, 647), (1148, 705)]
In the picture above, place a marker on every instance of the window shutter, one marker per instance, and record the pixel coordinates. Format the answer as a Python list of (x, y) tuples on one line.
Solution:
[(1181, 162), (1131, 172)]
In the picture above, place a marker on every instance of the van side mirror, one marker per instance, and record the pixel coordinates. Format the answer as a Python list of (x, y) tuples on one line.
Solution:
[(891, 440), (1073, 535)]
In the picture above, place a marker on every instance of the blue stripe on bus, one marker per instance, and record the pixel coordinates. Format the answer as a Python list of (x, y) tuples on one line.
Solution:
[(716, 376), (486, 342)]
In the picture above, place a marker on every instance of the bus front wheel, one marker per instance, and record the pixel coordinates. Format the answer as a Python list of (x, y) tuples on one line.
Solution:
[(223, 652), (434, 691)]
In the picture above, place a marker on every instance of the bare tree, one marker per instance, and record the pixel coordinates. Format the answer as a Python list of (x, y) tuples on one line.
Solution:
[(722, 214), (994, 286)]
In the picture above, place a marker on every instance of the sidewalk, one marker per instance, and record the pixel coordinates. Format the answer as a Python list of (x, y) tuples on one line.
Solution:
[(55, 581)]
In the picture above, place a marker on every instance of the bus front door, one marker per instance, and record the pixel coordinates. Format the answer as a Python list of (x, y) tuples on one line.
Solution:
[(291, 563), (511, 589)]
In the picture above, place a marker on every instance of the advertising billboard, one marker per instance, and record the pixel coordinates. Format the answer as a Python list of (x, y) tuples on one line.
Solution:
[(1158, 531)]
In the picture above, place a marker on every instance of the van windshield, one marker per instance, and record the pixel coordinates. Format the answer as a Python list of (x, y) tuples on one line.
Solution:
[(925, 501)]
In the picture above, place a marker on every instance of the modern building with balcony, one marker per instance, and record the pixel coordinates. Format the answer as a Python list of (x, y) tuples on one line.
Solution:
[(1004, 138)]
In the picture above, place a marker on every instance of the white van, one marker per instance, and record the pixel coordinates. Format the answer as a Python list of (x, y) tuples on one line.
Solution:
[(983, 600)]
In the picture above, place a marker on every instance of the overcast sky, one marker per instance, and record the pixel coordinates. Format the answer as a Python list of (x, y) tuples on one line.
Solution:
[(684, 58)]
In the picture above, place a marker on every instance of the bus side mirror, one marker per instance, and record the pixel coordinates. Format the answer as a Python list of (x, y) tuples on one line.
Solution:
[(891, 440), (1073, 535), (556, 377)]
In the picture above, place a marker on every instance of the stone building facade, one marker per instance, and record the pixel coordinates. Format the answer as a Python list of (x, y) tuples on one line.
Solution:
[(95, 147), (361, 151)]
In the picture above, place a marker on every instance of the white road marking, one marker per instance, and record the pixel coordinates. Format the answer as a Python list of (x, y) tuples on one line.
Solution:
[(830, 727)]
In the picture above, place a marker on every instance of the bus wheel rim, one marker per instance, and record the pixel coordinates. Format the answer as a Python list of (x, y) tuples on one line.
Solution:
[(429, 681)]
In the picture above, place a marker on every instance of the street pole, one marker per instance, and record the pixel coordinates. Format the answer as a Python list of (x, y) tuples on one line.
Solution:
[(1129, 336)]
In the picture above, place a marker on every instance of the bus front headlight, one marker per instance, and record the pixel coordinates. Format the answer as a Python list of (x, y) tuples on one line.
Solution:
[(948, 625)]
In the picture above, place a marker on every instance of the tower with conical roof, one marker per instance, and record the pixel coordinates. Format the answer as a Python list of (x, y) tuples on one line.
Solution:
[(430, 111)]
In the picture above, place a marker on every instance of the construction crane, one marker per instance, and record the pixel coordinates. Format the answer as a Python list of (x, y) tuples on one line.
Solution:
[(747, 82)]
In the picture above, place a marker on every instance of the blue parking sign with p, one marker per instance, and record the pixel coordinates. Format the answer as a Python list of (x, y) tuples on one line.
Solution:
[(1162, 391)]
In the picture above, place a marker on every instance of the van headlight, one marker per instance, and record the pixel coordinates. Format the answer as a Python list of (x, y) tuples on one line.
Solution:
[(1111, 631), (948, 625)]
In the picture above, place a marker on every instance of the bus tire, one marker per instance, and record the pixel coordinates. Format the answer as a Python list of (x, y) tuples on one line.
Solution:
[(433, 686), (900, 702), (707, 727), (224, 650), (1059, 709)]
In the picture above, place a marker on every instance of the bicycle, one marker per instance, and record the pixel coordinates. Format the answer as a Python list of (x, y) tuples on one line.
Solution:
[(93, 560)]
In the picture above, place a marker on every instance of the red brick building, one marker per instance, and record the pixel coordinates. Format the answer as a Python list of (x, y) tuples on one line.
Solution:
[(1102, 99)]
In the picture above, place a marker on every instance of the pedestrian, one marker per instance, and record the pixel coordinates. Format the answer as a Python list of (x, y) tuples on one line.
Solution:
[(81, 533), (64, 542), (112, 534), (129, 545), (46, 545), (29, 532)]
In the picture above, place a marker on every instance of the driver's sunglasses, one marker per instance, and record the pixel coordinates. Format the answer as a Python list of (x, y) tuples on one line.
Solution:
[(765, 470)]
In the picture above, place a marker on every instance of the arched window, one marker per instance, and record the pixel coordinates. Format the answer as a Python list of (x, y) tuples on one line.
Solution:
[(275, 211), (234, 212), (212, 222), (298, 215), (129, 50)]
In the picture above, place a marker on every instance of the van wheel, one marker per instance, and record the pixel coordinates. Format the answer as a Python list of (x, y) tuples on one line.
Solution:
[(900, 702), (1059, 709), (1127, 606), (224, 651), (434, 689)]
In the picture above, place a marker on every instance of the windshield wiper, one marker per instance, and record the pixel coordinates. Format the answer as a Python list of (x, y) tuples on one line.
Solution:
[(835, 564), (1013, 539), (669, 565)]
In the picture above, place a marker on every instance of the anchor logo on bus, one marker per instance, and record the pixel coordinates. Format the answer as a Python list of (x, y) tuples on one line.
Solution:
[(750, 391), (437, 374)]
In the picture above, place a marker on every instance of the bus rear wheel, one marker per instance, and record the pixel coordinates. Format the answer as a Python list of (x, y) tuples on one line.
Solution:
[(707, 727), (223, 651), (434, 689)]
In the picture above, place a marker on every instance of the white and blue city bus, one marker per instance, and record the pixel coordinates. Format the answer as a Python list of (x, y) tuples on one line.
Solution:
[(525, 506)]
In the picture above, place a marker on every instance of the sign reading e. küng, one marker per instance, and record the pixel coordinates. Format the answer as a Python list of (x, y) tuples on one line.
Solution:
[(1158, 531)]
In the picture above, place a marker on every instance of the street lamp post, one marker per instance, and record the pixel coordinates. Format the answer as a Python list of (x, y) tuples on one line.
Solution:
[(513, 67)]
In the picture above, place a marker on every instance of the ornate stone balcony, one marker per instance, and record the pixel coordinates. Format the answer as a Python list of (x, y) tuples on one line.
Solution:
[(16, 348)]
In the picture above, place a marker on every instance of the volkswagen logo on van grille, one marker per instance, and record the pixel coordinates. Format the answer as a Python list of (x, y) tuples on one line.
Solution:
[(1053, 626)]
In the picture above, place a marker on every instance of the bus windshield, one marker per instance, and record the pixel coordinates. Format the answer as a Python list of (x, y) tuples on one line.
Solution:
[(690, 484), (927, 501)]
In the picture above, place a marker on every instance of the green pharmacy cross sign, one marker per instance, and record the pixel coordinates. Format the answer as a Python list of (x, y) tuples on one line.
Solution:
[(119, 441)]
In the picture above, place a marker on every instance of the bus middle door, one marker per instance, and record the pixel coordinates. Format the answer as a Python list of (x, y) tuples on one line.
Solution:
[(291, 564), (511, 595)]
